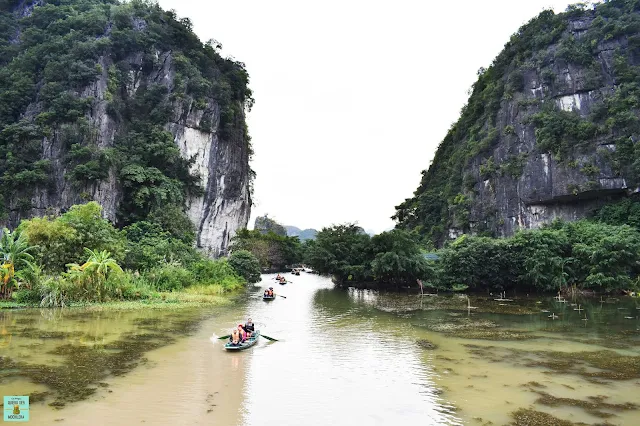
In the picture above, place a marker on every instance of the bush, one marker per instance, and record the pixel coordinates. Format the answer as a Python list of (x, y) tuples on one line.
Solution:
[(219, 272), (63, 240), (170, 277), (246, 265), (30, 296)]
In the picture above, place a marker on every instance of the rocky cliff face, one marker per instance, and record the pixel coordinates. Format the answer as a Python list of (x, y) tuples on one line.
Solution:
[(143, 93), (549, 132)]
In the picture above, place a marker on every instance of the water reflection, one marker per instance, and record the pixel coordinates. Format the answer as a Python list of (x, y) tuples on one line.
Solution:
[(341, 363)]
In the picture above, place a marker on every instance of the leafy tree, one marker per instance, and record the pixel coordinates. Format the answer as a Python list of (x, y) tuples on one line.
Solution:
[(148, 246), (343, 251), (398, 259), (246, 265), (63, 240)]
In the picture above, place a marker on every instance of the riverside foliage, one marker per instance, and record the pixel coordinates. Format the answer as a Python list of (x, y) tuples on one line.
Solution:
[(77, 257), (584, 255)]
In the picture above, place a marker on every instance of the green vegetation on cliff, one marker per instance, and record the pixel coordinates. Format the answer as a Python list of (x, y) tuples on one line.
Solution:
[(515, 107), (54, 56)]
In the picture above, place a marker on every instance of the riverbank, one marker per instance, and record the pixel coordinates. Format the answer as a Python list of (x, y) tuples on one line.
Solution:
[(163, 300)]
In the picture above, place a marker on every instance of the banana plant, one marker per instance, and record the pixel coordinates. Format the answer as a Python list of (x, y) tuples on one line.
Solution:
[(14, 256)]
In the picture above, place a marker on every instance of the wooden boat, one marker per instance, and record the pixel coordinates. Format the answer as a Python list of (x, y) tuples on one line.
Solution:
[(282, 282), (247, 343), (268, 297)]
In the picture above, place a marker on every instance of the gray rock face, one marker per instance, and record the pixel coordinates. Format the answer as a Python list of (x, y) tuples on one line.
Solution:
[(542, 188), (221, 163), (225, 206)]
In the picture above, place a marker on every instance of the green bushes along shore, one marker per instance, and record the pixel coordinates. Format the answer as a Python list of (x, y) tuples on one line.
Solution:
[(79, 257)]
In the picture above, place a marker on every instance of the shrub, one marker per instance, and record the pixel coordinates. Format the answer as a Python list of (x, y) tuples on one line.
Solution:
[(170, 277), (246, 265)]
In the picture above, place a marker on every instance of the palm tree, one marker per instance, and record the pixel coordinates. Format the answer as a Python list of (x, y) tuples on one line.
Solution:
[(92, 275), (14, 255)]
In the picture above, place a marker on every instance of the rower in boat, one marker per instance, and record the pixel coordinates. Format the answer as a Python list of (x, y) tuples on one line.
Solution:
[(234, 339), (249, 328), (243, 334), (268, 292)]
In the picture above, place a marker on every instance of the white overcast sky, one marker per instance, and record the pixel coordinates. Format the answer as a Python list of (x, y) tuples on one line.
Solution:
[(353, 96)]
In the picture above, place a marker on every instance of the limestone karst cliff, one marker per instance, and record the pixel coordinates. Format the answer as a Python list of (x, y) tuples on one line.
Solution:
[(122, 104), (550, 130)]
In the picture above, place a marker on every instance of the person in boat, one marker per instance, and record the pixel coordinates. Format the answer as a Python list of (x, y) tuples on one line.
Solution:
[(279, 277), (270, 291), (266, 293), (243, 334), (234, 338), (249, 327)]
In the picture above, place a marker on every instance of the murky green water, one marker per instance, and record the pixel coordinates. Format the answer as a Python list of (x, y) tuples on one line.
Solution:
[(343, 356)]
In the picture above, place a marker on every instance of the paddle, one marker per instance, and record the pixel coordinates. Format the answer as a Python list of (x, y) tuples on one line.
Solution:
[(284, 297), (269, 338), (224, 337)]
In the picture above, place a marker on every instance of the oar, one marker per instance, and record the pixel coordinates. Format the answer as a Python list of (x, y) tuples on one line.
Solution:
[(269, 338), (284, 297), (224, 337)]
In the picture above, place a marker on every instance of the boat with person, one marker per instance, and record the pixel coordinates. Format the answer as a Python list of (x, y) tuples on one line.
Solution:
[(267, 298), (244, 345)]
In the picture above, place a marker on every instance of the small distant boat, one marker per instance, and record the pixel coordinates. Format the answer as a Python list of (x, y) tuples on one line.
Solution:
[(267, 298), (282, 282), (295, 271), (247, 343)]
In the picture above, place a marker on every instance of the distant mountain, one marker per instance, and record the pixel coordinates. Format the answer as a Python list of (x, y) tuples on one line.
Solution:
[(265, 224), (302, 234)]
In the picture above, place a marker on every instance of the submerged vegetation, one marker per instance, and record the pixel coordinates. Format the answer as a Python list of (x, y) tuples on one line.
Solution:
[(84, 367), (77, 258)]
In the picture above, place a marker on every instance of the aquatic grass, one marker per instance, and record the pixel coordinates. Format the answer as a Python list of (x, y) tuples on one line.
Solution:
[(209, 290), (34, 333), (610, 365), (594, 366), (534, 384), (84, 368), (474, 329), (529, 417), (168, 301), (594, 406), (8, 304)]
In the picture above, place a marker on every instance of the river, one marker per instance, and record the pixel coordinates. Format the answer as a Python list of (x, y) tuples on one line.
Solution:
[(342, 356)]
